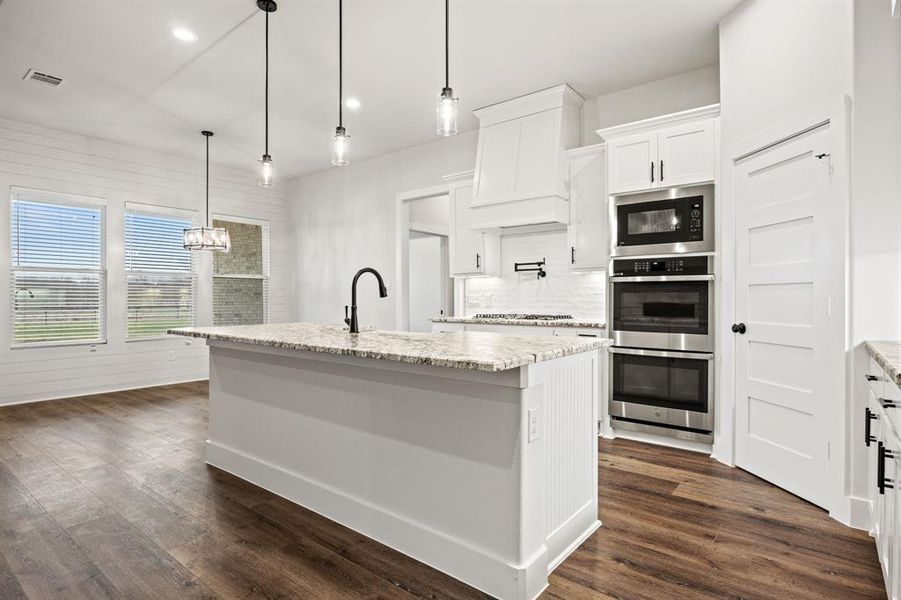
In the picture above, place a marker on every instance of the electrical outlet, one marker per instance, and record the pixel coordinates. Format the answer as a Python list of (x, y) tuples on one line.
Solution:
[(171, 354), (534, 424)]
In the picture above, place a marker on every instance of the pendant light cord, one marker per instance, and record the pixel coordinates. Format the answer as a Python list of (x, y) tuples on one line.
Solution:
[(208, 222), (340, 63), (267, 83), (446, 43)]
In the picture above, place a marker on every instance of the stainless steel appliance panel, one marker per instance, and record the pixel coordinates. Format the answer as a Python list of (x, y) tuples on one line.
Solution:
[(673, 389)]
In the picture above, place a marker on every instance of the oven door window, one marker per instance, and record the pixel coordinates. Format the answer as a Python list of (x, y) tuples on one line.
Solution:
[(677, 383), (662, 306)]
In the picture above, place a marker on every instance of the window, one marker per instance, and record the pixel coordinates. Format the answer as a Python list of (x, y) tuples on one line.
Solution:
[(160, 273), (57, 270), (241, 276)]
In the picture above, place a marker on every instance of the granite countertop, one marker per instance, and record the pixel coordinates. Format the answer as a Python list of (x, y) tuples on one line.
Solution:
[(888, 355), (476, 351), (586, 323)]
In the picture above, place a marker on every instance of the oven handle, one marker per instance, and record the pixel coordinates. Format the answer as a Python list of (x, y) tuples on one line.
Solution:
[(662, 278), (661, 353)]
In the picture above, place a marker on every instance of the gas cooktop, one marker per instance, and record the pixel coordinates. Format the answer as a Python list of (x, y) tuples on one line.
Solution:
[(522, 317)]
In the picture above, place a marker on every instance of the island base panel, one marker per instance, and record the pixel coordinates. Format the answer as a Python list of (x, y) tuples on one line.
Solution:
[(429, 461)]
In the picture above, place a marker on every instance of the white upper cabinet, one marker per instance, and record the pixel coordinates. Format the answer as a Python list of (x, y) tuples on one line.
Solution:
[(472, 252), (589, 247), (687, 153), (633, 162), (666, 151), (521, 173)]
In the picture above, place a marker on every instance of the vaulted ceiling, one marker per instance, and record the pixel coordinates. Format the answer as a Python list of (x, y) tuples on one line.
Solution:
[(127, 79)]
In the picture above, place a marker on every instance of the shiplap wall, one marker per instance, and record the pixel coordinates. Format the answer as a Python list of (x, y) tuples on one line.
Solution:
[(54, 161)]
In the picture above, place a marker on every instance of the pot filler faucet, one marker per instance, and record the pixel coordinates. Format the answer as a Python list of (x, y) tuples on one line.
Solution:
[(383, 293)]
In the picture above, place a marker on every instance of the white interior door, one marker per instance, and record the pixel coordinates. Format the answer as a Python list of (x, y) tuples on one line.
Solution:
[(784, 405)]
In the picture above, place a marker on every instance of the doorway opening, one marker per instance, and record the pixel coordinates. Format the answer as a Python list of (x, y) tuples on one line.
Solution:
[(426, 289)]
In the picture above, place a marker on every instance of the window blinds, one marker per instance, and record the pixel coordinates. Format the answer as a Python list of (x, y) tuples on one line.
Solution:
[(161, 278), (57, 272)]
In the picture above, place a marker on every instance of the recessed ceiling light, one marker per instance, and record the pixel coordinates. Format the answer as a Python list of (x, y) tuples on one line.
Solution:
[(352, 103), (185, 35)]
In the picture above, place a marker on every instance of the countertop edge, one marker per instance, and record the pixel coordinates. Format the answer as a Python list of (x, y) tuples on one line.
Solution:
[(561, 323), (892, 366)]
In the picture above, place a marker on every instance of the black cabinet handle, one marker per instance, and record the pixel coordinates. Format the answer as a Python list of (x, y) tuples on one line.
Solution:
[(882, 481), (652, 171), (867, 436), (478, 261), (886, 403), (739, 328), (572, 255), (661, 170), (872, 378)]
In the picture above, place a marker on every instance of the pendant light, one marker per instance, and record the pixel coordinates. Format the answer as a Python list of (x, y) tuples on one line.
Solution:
[(266, 175), (207, 237), (447, 103), (340, 141)]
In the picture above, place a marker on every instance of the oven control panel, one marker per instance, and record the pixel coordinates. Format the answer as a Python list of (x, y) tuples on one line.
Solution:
[(681, 265)]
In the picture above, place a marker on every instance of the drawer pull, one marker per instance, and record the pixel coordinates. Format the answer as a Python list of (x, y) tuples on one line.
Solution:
[(872, 378), (882, 481), (886, 403), (867, 436)]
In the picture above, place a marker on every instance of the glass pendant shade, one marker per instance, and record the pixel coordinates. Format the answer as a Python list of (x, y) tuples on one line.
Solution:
[(266, 177), (340, 148), (447, 113), (207, 238)]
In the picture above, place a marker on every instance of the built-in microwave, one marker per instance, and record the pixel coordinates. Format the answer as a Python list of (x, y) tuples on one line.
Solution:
[(670, 221)]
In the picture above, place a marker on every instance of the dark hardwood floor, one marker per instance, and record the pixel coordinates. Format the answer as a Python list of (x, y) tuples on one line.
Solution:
[(108, 496)]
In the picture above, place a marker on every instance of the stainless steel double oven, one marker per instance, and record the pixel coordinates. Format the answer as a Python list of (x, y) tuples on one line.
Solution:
[(661, 312)]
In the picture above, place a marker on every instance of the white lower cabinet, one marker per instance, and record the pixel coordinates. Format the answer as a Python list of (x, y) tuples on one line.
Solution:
[(884, 475)]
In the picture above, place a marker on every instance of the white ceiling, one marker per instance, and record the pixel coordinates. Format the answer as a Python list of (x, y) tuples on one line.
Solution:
[(128, 80)]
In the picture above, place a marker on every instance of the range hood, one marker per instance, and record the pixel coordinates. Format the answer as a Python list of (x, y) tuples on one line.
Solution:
[(521, 173)]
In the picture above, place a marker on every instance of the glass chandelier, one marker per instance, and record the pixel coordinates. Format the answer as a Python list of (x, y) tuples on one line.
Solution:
[(266, 176), (340, 141), (447, 103), (207, 237)]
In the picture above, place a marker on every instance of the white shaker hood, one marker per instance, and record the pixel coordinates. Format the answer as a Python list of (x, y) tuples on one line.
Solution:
[(521, 171)]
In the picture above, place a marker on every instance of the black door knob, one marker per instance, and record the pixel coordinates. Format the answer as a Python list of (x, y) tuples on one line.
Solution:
[(739, 328)]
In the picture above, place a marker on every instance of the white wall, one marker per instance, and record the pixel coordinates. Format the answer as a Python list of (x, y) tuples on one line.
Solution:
[(428, 280), (563, 291), (778, 58), (663, 96), (344, 219), (39, 158)]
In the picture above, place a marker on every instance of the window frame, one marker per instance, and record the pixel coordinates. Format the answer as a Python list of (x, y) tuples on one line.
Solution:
[(22, 194), (158, 211), (265, 239)]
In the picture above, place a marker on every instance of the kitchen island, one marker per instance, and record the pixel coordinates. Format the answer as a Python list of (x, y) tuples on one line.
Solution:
[(475, 453)]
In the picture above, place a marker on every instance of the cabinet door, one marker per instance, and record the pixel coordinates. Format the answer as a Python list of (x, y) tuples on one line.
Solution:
[(467, 248), (632, 163), (588, 241), (686, 154), (496, 161), (887, 543)]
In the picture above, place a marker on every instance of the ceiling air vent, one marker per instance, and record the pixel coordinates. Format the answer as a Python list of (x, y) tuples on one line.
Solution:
[(43, 78)]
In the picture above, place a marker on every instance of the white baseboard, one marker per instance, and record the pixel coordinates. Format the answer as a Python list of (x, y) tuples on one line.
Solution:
[(488, 573), (661, 440), (856, 513)]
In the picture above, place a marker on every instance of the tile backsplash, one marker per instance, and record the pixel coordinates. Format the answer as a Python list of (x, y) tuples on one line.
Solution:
[(582, 295)]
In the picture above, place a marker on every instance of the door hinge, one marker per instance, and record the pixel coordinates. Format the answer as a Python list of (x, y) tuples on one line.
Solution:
[(827, 158)]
